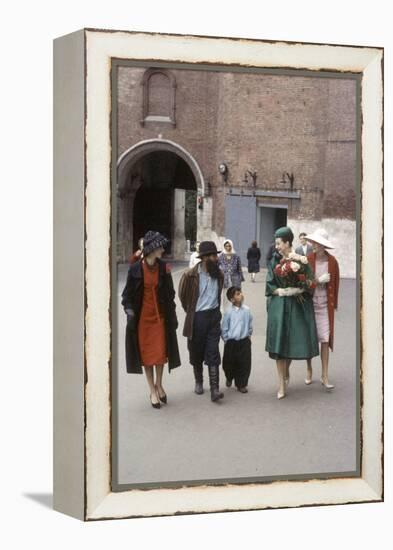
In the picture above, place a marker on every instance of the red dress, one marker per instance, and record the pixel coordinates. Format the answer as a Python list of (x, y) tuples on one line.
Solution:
[(151, 326)]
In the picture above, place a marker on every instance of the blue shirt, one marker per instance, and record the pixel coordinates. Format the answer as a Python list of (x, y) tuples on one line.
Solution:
[(237, 323), (208, 291)]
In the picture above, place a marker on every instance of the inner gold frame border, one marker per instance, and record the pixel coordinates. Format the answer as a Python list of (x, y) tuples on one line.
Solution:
[(100, 48)]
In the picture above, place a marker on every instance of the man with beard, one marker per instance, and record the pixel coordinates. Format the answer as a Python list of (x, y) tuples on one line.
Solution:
[(200, 295)]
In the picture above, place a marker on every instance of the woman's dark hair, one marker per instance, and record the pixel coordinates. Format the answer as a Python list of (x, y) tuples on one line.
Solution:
[(254, 244), (302, 234), (286, 239), (285, 234)]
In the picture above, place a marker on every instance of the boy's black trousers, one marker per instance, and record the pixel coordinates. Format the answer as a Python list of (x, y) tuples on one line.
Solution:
[(237, 361)]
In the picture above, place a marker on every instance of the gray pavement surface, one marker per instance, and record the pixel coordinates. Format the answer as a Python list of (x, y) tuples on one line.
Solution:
[(253, 435)]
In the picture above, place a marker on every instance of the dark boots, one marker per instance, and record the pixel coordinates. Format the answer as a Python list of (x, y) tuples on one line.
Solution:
[(214, 383), (198, 374)]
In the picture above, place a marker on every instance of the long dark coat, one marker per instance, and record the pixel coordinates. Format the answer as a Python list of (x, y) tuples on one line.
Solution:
[(132, 298), (253, 257)]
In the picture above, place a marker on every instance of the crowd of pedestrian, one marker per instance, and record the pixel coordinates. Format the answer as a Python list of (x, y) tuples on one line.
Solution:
[(301, 297)]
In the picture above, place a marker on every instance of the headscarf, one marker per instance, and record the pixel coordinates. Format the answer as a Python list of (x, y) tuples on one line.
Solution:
[(233, 251)]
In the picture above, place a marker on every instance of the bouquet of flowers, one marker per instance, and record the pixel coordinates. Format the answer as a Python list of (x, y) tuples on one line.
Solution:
[(295, 273)]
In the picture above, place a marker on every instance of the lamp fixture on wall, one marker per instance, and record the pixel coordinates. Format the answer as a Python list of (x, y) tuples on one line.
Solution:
[(253, 174), (287, 178), (223, 169)]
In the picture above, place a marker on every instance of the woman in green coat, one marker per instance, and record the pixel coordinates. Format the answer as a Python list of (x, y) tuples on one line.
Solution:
[(291, 331)]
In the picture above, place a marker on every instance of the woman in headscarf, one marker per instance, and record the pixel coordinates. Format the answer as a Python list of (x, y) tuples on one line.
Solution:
[(230, 264), (291, 332), (325, 298), (149, 302)]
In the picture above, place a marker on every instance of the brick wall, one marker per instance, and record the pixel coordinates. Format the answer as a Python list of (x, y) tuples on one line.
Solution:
[(269, 123)]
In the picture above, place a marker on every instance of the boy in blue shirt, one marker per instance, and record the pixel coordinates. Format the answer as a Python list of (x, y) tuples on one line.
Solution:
[(236, 330)]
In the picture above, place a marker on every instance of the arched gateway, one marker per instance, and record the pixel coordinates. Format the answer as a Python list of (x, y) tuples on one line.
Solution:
[(158, 182)]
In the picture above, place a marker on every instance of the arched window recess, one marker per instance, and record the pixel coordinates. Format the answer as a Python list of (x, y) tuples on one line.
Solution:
[(159, 97)]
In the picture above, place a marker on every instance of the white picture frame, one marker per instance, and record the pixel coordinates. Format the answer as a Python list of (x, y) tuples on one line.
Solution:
[(82, 246)]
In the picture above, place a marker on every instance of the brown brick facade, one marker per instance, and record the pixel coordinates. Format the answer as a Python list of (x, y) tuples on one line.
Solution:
[(277, 125), (269, 123)]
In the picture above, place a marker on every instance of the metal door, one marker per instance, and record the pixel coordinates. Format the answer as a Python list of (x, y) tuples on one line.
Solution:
[(240, 223), (268, 220)]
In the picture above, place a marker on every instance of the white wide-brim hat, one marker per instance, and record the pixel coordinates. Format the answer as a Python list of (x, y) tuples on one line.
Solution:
[(320, 236)]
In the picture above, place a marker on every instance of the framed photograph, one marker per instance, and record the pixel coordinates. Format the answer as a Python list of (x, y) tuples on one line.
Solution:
[(218, 215)]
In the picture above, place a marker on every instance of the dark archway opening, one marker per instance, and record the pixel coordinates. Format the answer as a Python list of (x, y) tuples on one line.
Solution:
[(153, 210), (161, 173)]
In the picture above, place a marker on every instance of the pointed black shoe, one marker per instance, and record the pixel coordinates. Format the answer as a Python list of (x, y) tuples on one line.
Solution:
[(162, 398), (155, 405)]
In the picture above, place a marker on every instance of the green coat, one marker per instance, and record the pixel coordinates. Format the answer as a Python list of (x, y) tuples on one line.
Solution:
[(291, 332)]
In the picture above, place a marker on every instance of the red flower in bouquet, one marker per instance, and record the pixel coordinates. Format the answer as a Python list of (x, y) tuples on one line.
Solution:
[(295, 272), (286, 268), (278, 270)]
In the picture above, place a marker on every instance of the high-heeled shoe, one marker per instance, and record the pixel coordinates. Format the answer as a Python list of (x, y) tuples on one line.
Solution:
[(162, 398), (155, 405), (327, 386), (308, 379), (281, 395)]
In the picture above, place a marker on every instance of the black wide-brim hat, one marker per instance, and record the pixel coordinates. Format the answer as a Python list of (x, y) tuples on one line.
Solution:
[(153, 240), (206, 248)]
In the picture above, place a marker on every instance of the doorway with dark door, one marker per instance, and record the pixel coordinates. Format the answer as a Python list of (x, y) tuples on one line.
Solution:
[(270, 218)]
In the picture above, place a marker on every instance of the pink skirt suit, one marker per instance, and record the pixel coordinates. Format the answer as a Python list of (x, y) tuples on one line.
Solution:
[(320, 303), (325, 297)]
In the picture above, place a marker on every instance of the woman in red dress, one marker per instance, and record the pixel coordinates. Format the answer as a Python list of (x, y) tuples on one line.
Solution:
[(148, 300)]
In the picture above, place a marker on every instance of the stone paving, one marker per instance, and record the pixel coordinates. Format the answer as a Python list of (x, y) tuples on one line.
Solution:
[(254, 435)]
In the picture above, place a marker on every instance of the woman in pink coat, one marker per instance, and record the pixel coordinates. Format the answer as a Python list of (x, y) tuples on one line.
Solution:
[(325, 298)]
